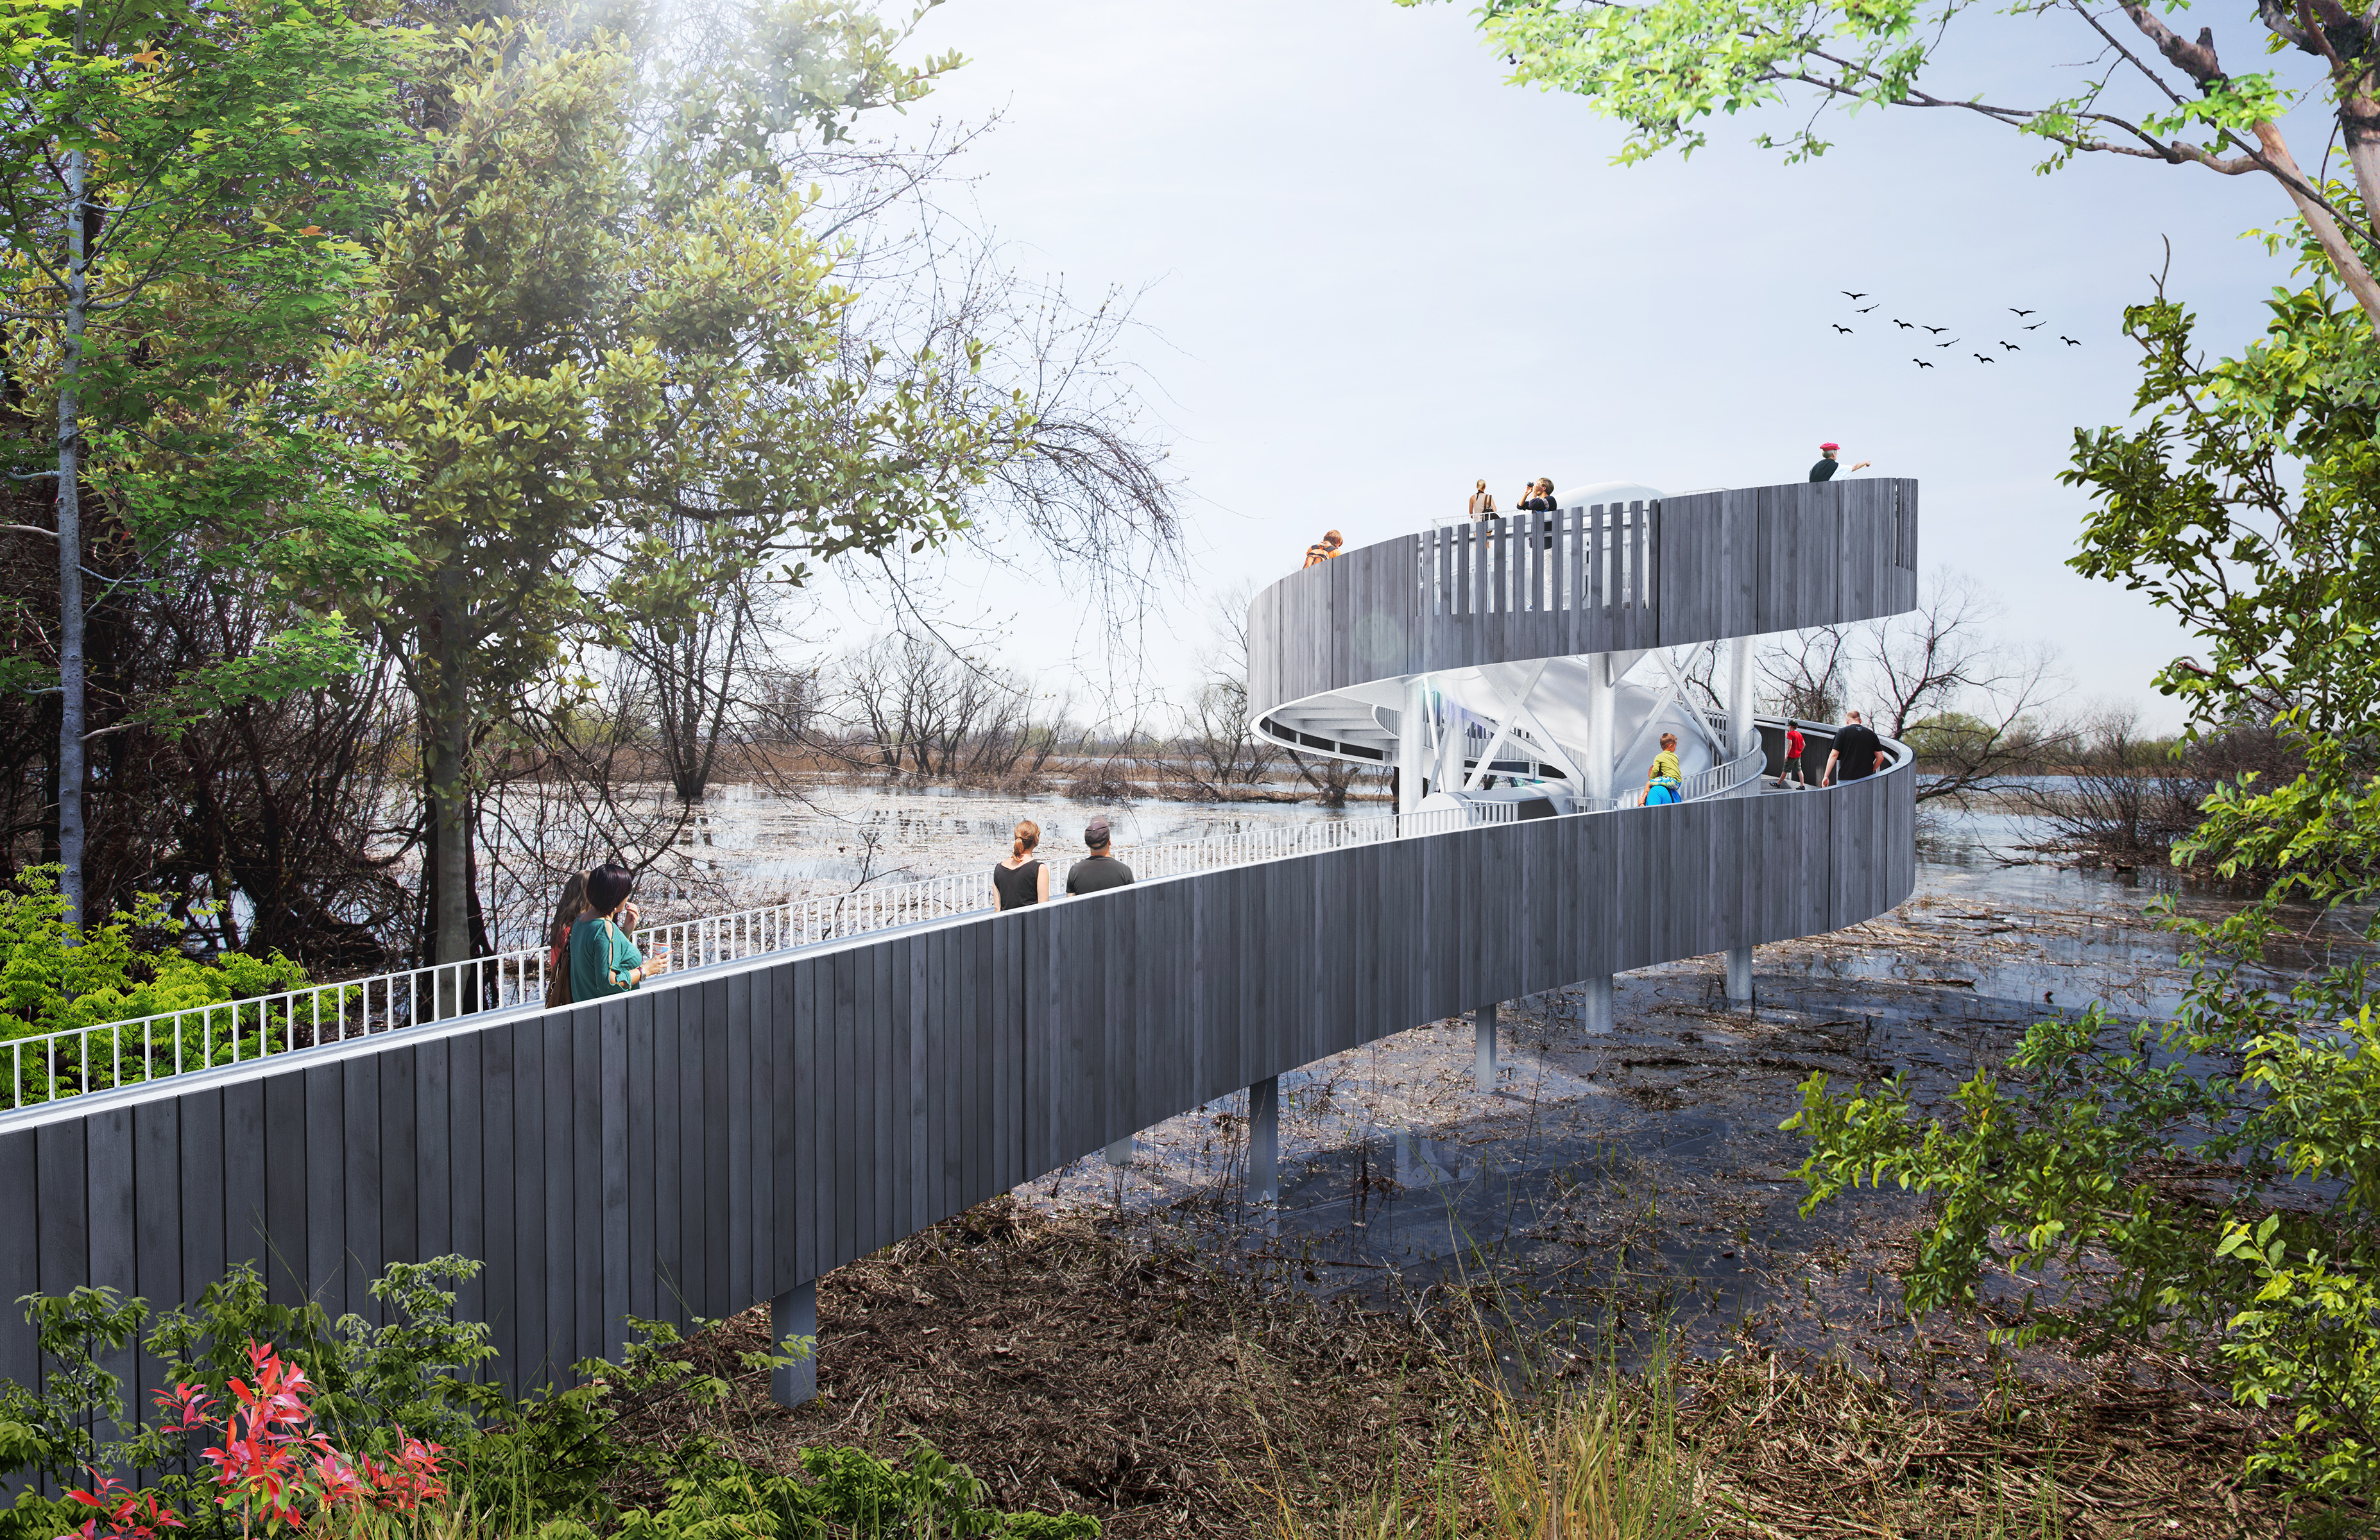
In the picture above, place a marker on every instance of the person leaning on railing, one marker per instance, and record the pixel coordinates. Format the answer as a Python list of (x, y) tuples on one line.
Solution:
[(602, 959)]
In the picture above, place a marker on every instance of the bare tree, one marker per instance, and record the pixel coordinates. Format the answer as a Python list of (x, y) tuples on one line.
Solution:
[(1805, 672), (1972, 708), (926, 711), (1978, 707), (1215, 755)]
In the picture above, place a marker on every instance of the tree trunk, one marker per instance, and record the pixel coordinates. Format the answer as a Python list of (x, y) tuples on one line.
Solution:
[(72, 708), (447, 743), (2344, 259)]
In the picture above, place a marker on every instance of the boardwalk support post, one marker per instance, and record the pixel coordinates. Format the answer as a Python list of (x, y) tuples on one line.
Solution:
[(795, 1314), (1120, 1153), (1264, 1141), (1739, 974), (1484, 1047), (1598, 1014)]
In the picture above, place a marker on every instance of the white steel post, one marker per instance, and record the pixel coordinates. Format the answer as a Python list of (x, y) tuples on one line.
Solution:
[(1264, 1141), (1599, 1004), (1601, 704), (1483, 1023), (1742, 734), (795, 1314), (1413, 743), (1120, 1153), (1599, 728)]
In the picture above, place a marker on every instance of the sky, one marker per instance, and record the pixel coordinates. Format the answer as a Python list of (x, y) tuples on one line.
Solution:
[(1372, 272)]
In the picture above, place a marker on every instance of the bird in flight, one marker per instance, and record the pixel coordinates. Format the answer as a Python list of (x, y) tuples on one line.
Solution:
[(1863, 309), (1921, 363), (1843, 329), (1847, 294), (2036, 326), (2068, 341), (2018, 314), (2012, 347), (1937, 331), (1983, 357), (1904, 326), (1952, 343)]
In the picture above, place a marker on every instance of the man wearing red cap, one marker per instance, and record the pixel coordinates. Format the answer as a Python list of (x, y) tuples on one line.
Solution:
[(1826, 468)]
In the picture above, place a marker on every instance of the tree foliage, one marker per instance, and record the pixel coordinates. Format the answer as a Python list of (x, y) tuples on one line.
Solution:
[(181, 183), (2227, 1163), (1668, 69)]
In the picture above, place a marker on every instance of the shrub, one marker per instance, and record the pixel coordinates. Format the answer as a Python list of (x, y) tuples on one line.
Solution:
[(56, 975), (345, 1420)]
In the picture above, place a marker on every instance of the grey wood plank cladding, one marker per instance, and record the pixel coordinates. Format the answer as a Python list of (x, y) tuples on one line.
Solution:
[(729, 1134)]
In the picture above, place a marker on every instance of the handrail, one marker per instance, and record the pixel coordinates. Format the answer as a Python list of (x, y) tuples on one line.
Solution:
[(48, 1066)]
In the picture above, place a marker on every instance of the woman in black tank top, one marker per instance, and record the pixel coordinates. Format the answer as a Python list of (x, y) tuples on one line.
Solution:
[(1017, 880)]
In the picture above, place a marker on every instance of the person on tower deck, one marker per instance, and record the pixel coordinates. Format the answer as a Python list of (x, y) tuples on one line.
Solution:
[(1483, 501), (1541, 496), (1858, 750), (1323, 550), (1826, 468)]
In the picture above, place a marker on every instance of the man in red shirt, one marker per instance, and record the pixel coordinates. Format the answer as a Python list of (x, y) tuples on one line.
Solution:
[(1795, 745)]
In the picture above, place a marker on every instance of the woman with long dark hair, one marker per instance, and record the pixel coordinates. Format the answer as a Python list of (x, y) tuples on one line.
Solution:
[(602, 959)]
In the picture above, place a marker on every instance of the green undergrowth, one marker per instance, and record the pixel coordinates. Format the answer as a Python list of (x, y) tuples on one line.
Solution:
[(548, 1467)]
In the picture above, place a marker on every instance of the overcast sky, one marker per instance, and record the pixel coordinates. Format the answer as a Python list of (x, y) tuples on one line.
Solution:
[(1376, 272)]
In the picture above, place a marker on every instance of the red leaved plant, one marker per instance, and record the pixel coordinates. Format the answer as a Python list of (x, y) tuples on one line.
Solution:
[(273, 1467)]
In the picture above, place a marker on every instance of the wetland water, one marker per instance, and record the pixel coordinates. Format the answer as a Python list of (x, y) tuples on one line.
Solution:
[(1620, 1180), (1610, 1180)]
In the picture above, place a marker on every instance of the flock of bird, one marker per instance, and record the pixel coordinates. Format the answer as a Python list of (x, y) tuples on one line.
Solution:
[(1933, 332)]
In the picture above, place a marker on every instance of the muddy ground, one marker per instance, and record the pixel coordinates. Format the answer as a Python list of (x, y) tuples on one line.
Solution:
[(1141, 1344)]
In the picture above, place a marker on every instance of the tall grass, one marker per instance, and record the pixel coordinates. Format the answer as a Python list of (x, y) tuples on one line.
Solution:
[(1598, 1463)]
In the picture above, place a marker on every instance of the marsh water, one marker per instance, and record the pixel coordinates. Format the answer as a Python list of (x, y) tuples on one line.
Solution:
[(1615, 1182), (1610, 1181)]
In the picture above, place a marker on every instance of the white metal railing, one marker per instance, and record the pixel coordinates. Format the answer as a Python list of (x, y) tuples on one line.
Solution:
[(46, 1067)]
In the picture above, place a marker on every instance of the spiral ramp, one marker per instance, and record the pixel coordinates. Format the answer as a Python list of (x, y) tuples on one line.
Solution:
[(729, 1135)]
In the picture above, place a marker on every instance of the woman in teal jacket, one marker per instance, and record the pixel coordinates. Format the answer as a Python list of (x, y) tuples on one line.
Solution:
[(602, 959)]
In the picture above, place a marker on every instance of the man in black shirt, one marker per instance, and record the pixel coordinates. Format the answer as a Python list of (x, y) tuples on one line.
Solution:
[(1858, 750), (1100, 872), (1826, 468)]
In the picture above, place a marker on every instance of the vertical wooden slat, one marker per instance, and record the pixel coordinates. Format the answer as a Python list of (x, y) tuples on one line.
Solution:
[(326, 1163), (20, 1261)]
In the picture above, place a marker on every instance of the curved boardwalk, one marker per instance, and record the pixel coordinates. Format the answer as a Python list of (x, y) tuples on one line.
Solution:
[(697, 1147)]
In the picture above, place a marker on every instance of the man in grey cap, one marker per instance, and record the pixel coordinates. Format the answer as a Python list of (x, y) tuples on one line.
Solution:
[(1099, 871)]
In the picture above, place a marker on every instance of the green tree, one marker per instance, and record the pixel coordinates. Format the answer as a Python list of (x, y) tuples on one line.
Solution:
[(1665, 70), (607, 347), (180, 181), (2227, 1162)]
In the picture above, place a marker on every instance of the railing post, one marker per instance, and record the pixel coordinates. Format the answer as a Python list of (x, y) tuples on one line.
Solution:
[(795, 1314), (1483, 1043), (1264, 1141)]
